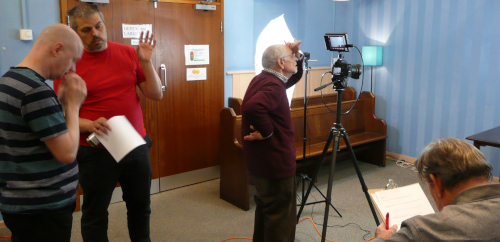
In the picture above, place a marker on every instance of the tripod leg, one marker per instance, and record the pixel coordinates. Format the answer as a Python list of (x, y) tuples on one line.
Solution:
[(325, 199), (316, 170), (297, 185), (330, 183), (360, 176)]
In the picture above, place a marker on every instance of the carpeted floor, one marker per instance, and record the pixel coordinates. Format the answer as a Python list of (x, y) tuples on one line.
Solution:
[(196, 213)]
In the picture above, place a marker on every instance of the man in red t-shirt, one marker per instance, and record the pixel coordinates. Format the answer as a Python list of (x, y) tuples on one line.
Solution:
[(112, 72)]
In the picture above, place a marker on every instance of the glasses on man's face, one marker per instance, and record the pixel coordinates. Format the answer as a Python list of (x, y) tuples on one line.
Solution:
[(291, 55)]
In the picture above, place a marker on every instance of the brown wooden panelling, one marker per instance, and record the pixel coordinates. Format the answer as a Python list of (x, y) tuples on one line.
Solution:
[(189, 112), (241, 80), (233, 186), (313, 100)]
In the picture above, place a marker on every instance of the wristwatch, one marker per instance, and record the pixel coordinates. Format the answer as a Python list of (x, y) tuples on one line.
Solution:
[(299, 55)]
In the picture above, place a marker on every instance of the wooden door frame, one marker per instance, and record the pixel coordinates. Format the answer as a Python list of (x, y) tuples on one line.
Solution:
[(63, 4)]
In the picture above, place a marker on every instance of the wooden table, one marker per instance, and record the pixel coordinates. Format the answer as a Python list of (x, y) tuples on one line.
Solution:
[(489, 137)]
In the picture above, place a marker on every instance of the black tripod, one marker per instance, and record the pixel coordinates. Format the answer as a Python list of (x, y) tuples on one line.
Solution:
[(302, 178), (336, 131)]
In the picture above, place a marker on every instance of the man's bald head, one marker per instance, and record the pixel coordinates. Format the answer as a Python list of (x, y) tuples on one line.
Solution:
[(55, 52), (58, 33), (272, 54)]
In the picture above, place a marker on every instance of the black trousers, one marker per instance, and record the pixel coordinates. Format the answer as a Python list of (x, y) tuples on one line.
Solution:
[(276, 212), (99, 174), (50, 226)]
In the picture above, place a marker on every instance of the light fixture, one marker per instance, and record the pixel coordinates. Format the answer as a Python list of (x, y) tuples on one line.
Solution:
[(372, 56)]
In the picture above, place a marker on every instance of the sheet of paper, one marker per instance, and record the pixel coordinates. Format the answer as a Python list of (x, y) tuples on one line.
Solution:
[(196, 74), (197, 54), (402, 203), (133, 31), (121, 139)]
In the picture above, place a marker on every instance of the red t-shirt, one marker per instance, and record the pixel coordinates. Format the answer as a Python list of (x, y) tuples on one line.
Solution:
[(111, 77)]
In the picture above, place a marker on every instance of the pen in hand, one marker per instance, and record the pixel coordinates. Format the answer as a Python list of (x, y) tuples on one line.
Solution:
[(387, 221)]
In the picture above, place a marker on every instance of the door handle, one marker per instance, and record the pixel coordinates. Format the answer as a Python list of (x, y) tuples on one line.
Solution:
[(164, 70)]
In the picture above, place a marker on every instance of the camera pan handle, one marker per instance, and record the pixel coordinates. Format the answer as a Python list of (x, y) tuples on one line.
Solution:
[(164, 70)]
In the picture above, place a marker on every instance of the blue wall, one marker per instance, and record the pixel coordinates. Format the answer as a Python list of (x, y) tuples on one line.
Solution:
[(440, 60), (39, 14), (244, 20), (440, 70)]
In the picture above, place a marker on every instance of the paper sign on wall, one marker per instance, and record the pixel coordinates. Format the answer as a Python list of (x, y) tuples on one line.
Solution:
[(133, 31), (197, 54), (196, 74)]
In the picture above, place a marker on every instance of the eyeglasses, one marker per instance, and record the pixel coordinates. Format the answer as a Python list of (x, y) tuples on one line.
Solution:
[(291, 55)]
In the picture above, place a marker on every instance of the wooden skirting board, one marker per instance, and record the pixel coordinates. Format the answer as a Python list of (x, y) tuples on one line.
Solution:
[(395, 156)]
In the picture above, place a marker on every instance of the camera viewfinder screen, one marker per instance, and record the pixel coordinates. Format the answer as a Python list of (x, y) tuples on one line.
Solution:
[(337, 43)]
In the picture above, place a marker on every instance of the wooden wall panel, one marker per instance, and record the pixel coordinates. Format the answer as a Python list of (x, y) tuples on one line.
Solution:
[(241, 80)]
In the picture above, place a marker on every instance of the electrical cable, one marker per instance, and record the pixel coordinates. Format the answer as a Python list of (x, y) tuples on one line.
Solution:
[(361, 89), (340, 226), (297, 224), (314, 224), (402, 163)]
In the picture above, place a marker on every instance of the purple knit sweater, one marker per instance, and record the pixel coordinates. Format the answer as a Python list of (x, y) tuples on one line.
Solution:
[(265, 107)]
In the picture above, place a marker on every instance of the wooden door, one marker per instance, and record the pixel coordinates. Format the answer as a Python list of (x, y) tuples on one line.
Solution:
[(188, 117), (184, 125)]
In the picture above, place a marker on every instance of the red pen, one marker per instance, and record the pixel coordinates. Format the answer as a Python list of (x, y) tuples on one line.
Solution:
[(387, 221)]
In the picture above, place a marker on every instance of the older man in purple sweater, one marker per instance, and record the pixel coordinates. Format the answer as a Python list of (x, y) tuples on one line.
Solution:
[(268, 144)]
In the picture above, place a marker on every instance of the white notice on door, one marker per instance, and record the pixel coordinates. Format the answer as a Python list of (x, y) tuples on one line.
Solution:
[(197, 54), (133, 31), (196, 74)]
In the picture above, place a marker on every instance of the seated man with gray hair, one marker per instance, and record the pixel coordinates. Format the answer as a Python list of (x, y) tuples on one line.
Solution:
[(459, 180)]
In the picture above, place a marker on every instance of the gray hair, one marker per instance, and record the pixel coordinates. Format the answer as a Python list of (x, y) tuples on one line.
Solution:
[(272, 54), (453, 161), (84, 10)]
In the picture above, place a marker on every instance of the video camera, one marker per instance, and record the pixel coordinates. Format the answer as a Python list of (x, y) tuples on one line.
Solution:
[(341, 69)]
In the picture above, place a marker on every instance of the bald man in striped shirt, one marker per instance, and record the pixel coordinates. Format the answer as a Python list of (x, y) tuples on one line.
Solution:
[(38, 143)]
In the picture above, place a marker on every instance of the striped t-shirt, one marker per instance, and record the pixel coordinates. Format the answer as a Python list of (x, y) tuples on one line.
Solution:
[(31, 180)]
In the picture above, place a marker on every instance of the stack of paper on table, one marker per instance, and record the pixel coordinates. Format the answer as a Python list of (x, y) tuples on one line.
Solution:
[(402, 203)]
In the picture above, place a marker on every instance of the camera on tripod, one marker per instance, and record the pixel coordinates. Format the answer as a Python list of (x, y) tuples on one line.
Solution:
[(341, 69)]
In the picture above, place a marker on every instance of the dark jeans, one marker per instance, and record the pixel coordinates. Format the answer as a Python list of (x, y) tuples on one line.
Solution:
[(50, 226), (275, 215), (99, 174)]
